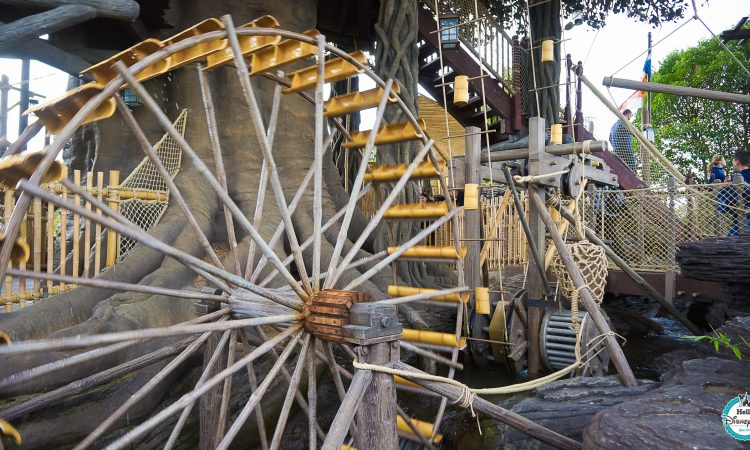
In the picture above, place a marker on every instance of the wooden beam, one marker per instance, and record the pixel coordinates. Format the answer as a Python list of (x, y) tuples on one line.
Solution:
[(661, 88), (64, 14)]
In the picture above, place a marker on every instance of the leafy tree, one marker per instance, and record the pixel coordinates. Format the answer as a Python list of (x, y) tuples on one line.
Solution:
[(691, 130)]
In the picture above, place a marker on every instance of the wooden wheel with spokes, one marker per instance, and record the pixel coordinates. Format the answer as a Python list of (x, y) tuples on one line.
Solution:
[(281, 295)]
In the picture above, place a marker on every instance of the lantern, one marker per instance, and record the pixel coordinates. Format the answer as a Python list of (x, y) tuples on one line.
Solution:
[(461, 90), (449, 31), (131, 98), (548, 46)]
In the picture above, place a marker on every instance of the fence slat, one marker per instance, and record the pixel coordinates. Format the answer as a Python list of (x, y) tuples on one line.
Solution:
[(114, 180), (87, 230), (76, 227), (98, 229)]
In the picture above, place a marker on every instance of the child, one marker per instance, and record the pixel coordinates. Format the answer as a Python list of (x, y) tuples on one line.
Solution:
[(717, 174)]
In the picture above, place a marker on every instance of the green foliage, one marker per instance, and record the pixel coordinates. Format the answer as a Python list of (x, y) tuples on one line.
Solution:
[(691, 130), (721, 340), (594, 12)]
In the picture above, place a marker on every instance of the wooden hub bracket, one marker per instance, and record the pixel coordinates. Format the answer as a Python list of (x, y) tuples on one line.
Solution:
[(328, 312)]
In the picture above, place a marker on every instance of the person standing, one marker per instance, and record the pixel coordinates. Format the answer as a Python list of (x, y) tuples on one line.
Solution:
[(620, 137), (734, 200), (716, 170)]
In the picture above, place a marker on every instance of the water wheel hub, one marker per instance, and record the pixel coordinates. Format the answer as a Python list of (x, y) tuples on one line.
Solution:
[(328, 312)]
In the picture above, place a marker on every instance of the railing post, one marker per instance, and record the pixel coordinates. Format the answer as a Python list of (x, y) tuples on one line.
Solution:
[(113, 199), (669, 276), (375, 331)]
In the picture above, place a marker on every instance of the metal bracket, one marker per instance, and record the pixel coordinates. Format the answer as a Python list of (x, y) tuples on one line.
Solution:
[(372, 323)]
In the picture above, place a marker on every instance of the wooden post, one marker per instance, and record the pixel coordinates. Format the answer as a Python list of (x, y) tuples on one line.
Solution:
[(76, 226), (112, 197), (537, 291), (472, 235), (37, 292), (375, 331), (670, 279), (8, 208), (98, 229), (87, 229), (615, 352)]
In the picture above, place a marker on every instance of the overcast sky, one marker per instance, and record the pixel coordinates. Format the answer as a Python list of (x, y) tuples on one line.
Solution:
[(618, 42)]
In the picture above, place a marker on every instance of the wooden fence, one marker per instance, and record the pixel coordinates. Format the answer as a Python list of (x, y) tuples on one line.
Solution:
[(61, 242)]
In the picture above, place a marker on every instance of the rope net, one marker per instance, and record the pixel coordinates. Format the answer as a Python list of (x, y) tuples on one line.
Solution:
[(145, 177)]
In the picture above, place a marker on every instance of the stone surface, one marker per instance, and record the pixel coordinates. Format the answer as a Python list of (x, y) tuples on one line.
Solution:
[(567, 406), (683, 413)]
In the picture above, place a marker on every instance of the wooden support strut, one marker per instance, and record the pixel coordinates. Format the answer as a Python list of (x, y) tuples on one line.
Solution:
[(621, 363)]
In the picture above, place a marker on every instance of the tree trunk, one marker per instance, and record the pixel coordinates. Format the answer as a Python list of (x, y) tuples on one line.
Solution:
[(545, 24)]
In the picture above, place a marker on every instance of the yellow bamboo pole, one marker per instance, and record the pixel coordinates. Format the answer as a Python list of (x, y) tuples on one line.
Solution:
[(112, 197), (98, 229), (76, 226), (496, 221), (50, 244), (37, 292), (21, 280), (8, 207), (87, 229), (64, 232)]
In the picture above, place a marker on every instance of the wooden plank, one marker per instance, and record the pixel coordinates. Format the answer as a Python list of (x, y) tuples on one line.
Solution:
[(376, 414)]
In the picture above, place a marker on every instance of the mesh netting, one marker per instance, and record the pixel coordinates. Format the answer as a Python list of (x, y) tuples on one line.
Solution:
[(145, 177), (646, 225)]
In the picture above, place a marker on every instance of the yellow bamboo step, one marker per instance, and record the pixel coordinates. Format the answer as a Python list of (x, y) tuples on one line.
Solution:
[(433, 338), (6, 429), (248, 44), (405, 291), (393, 173), (283, 53), (423, 428), (389, 134), (431, 252), (357, 101), (198, 51), (14, 168), (334, 70), (104, 71), (56, 113), (417, 211)]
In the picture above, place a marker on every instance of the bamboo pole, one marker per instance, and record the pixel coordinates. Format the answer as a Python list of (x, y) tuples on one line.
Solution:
[(227, 390), (76, 227), (98, 229), (661, 88), (8, 207), (496, 221), (37, 263), (50, 245), (618, 358), (63, 231), (24, 234), (562, 227), (87, 230), (114, 204)]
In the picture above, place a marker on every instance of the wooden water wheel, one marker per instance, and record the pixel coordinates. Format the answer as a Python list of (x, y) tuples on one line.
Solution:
[(245, 315)]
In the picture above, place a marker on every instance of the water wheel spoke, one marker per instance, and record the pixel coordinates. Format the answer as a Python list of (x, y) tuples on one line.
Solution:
[(263, 181), (291, 390), (253, 381), (145, 389), (345, 414), (67, 343), (213, 135), (151, 242), (260, 392), (130, 437), (372, 225), (174, 191), (312, 398), (356, 187), (79, 358), (318, 164), (403, 248), (208, 367), (205, 172), (334, 219), (257, 121)]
